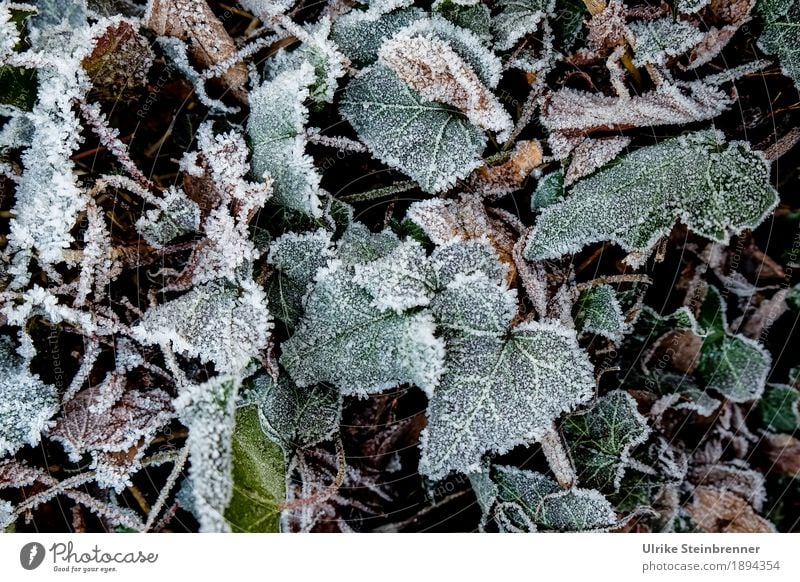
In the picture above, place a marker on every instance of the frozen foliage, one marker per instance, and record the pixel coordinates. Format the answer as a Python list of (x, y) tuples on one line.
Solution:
[(733, 365), (598, 312), (345, 340), (690, 6), (297, 417), (518, 18), (781, 36), (592, 154), (208, 410), (300, 255), (215, 322), (430, 142), (528, 498), (500, 390), (549, 191), (714, 188), (360, 33), (661, 39), (457, 258), (258, 477), (601, 440), (473, 16), (277, 133), (176, 215), (27, 403), (779, 408), (474, 305), (437, 72)]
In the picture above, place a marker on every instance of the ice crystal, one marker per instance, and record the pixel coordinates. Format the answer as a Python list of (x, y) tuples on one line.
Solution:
[(499, 391), (661, 39), (518, 18), (598, 311), (215, 322), (428, 141), (538, 500), (277, 133), (27, 403), (602, 439), (715, 189)]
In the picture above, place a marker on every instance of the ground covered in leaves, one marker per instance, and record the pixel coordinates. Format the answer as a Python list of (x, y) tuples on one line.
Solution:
[(385, 265)]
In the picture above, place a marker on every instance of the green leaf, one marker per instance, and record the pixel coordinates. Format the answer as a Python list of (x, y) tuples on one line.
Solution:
[(714, 188), (602, 439), (544, 504), (258, 477), (473, 17), (359, 34), (277, 133), (781, 37), (568, 22), (433, 144), (518, 18), (598, 312), (661, 39), (501, 391), (18, 87), (779, 408), (549, 191), (297, 417)]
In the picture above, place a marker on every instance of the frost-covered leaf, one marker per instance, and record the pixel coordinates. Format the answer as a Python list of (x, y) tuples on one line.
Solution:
[(500, 391), (567, 23), (460, 258), (343, 339), (26, 404), (592, 154), (178, 215), (433, 144), (437, 72), (690, 6), (518, 18), (473, 16), (602, 439), (277, 133), (215, 322), (208, 410), (360, 33), (472, 304), (714, 188), (358, 245), (598, 312), (257, 475), (779, 408), (733, 365), (719, 511), (549, 191), (781, 37), (661, 39), (546, 505), (297, 417)]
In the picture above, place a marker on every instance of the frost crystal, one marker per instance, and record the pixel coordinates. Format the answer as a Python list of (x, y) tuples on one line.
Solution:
[(715, 189), (518, 18), (431, 143), (277, 132), (208, 410), (602, 439), (543, 503), (437, 72), (658, 40), (26, 404), (598, 311), (214, 321), (499, 392)]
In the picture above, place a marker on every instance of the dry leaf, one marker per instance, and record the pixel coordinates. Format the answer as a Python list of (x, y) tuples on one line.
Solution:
[(507, 177), (719, 511), (783, 454), (592, 154)]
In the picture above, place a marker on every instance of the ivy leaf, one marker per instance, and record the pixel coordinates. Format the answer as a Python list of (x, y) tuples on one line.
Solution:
[(779, 408), (518, 18), (297, 417), (602, 439), (472, 304), (568, 21), (258, 476), (360, 33), (661, 39), (216, 322), (598, 311), (345, 340), (781, 36), (499, 392), (543, 503), (277, 133), (27, 403), (716, 189), (433, 144)]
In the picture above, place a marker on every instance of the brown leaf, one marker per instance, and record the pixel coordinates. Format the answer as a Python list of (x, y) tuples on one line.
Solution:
[(719, 511), (509, 176), (120, 60), (593, 154), (783, 454), (193, 20), (15, 473)]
